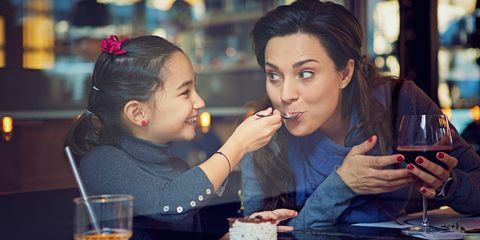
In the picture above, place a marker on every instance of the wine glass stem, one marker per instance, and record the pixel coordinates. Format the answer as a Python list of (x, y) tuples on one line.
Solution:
[(424, 215)]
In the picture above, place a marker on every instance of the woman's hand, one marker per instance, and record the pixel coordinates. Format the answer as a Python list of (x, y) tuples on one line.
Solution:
[(432, 179), (368, 175), (257, 130), (277, 215)]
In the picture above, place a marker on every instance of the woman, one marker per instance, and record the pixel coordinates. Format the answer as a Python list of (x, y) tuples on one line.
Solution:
[(333, 158)]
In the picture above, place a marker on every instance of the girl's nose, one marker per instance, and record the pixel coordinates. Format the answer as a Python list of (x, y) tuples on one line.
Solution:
[(198, 103)]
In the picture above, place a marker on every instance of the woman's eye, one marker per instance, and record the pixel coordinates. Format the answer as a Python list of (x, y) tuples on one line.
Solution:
[(306, 74), (186, 92), (273, 76)]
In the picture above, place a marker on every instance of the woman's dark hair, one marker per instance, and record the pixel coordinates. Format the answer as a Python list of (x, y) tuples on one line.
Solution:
[(340, 34), (116, 80)]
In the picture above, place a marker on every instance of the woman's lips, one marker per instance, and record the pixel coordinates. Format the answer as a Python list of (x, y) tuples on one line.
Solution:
[(291, 115)]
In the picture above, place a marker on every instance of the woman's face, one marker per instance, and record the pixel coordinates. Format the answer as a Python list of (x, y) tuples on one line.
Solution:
[(302, 81), (175, 106)]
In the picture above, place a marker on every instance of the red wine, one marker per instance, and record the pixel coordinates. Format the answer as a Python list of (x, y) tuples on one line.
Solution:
[(428, 152)]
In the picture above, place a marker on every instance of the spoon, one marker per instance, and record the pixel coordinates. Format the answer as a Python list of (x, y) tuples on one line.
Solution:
[(263, 115), (284, 115)]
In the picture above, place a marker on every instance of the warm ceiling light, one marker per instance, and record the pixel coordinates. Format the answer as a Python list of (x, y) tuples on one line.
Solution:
[(205, 119), (163, 5), (475, 113), (7, 124)]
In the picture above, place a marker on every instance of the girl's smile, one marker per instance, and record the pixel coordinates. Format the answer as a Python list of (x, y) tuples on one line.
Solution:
[(192, 121)]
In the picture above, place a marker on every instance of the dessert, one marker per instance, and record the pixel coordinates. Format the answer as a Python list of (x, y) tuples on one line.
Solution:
[(252, 228)]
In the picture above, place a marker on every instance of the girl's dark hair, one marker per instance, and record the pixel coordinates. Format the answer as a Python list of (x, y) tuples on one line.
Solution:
[(340, 34), (116, 80)]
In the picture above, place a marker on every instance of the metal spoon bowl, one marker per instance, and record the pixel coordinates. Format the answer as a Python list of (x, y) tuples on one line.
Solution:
[(286, 116)]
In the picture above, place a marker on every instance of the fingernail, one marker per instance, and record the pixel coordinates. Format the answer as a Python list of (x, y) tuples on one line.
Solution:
[(440, 155), (400, 158), (419, 160), (423, 190), (370, 139), (410, 167)]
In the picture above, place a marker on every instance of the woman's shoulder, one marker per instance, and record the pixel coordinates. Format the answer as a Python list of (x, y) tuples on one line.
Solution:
[(387, 87), (382, 88), (412, 99), (390, 83), (407, 87)]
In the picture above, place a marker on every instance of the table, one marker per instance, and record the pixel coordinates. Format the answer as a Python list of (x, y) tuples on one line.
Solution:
[(49, 215)]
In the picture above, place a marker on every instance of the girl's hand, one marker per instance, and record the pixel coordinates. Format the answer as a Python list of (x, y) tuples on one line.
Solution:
[(432, 179), (277, 215), (368, 175), (252, 134), (257, 130)]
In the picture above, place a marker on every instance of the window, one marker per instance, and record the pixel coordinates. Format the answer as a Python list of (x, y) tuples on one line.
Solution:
[(38, 35)]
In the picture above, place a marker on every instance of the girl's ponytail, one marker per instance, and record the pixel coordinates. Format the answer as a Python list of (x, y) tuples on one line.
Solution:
[(84, 134)]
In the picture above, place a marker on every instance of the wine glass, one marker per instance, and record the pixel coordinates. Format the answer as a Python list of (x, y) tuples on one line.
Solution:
[(423, 135)]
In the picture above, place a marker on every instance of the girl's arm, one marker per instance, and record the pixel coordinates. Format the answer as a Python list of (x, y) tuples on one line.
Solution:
[(252, 134), (109, 170)]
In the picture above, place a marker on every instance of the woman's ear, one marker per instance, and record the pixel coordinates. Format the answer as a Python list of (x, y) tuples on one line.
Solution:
[(347, 73), (134, 112)]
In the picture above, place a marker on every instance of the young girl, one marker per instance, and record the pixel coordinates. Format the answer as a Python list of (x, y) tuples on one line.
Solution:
[(142, 98)]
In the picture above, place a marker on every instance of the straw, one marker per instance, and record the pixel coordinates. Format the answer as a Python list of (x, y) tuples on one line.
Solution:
[(93, 219)]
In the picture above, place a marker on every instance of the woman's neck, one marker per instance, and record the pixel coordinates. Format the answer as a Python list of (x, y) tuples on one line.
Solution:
[(336, 127)]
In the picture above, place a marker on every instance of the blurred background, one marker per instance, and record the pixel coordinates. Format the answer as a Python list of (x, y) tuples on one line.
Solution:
[(48, 48)]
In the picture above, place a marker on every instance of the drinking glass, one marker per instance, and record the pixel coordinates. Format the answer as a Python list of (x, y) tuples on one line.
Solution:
[(104, 217), (423, 135)]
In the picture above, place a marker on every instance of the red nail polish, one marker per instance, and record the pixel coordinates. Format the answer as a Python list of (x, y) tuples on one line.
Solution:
[(419, 160), (400, 158), (370, 139), (440, 155), (424, 190), (410, 167)]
